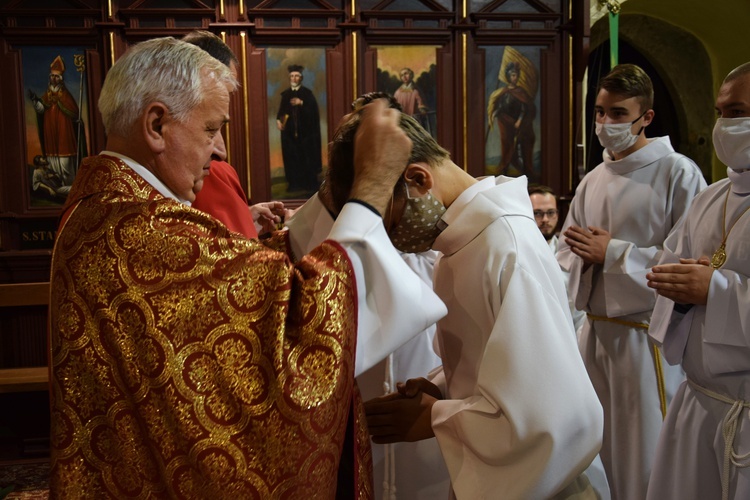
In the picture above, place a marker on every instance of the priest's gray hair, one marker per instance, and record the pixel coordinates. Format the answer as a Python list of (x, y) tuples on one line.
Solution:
[(166, 70)]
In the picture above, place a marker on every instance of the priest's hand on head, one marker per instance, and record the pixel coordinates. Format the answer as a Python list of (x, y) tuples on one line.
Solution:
[(403, 415), (381, 152)]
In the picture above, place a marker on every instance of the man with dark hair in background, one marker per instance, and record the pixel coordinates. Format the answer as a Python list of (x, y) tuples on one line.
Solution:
[(544, 203)]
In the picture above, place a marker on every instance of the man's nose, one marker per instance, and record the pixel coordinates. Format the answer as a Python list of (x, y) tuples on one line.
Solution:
[(220, 148)]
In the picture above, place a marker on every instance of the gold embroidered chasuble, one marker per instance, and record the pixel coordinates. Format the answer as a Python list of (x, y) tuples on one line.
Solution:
[(190, 362)]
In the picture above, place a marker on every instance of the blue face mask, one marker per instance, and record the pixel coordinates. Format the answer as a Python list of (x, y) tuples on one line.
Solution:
[(419, 225)]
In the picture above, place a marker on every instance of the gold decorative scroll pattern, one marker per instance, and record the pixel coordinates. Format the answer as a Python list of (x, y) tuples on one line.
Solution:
[(187, 361)]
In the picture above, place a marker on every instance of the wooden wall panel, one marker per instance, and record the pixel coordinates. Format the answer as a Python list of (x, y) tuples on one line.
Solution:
[(457, 29)]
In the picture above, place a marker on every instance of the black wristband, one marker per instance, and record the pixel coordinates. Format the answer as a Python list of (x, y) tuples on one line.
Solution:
[(682, 308), (364, 204)]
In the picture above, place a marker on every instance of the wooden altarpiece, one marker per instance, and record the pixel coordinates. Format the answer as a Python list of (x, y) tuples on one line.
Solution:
[(459, 51)]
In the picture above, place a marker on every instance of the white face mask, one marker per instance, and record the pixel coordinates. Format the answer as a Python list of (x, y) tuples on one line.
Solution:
[(732, 142), (617, 137)]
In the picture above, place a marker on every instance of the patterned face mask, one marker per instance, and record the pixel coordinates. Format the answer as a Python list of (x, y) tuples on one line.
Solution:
[(419, 225)]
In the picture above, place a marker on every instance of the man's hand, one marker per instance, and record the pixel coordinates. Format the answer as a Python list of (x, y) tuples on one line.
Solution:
[(381, 152), (685, 283), (412, 386), (267, 215), (589, 244), (403, 415)]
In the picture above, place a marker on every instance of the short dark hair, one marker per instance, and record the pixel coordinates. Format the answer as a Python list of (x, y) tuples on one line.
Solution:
[(367, 98), (737, 72), (541, 189), (340, 172), (629, 80), (213, 45)]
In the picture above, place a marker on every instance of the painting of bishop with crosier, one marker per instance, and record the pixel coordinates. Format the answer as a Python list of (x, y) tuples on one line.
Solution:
[(55, 115), (513, 113)]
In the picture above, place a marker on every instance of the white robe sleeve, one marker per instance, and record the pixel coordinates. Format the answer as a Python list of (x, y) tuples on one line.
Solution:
[(723, 323), (394, 304), (670, 328), (627, 263), (624, 272), (727, 333), (578, 283), (525, 432)]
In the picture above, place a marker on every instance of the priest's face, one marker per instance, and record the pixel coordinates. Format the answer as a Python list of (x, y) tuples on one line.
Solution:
[(545, 213), (190, 146)]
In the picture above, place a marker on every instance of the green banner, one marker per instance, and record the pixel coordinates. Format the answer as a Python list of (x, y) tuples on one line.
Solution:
[(614, 23)]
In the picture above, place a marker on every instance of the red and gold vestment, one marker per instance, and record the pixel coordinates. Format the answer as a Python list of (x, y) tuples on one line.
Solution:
[(190, 362)]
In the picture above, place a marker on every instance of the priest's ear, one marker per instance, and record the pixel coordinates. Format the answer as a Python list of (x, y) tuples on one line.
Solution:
[(419, 179), (153, 122)]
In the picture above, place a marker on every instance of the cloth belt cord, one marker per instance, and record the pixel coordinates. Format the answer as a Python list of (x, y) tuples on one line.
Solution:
[(389, 450), (729, 432), (658, 368)]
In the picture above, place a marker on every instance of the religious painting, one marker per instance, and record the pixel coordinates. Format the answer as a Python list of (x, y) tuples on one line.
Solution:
[(56, 120), (513, 111), (297, 120), (408, 72)]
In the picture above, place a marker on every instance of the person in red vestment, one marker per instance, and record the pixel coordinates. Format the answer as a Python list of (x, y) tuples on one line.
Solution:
[(57, 113), (222, 195), (188, 361)]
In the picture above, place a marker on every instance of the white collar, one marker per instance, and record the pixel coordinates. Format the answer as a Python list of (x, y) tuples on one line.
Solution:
[(466, 196), (740, 180), (657, 148)]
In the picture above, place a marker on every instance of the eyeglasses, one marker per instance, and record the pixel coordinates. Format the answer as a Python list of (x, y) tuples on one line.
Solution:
[(539, 214)]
